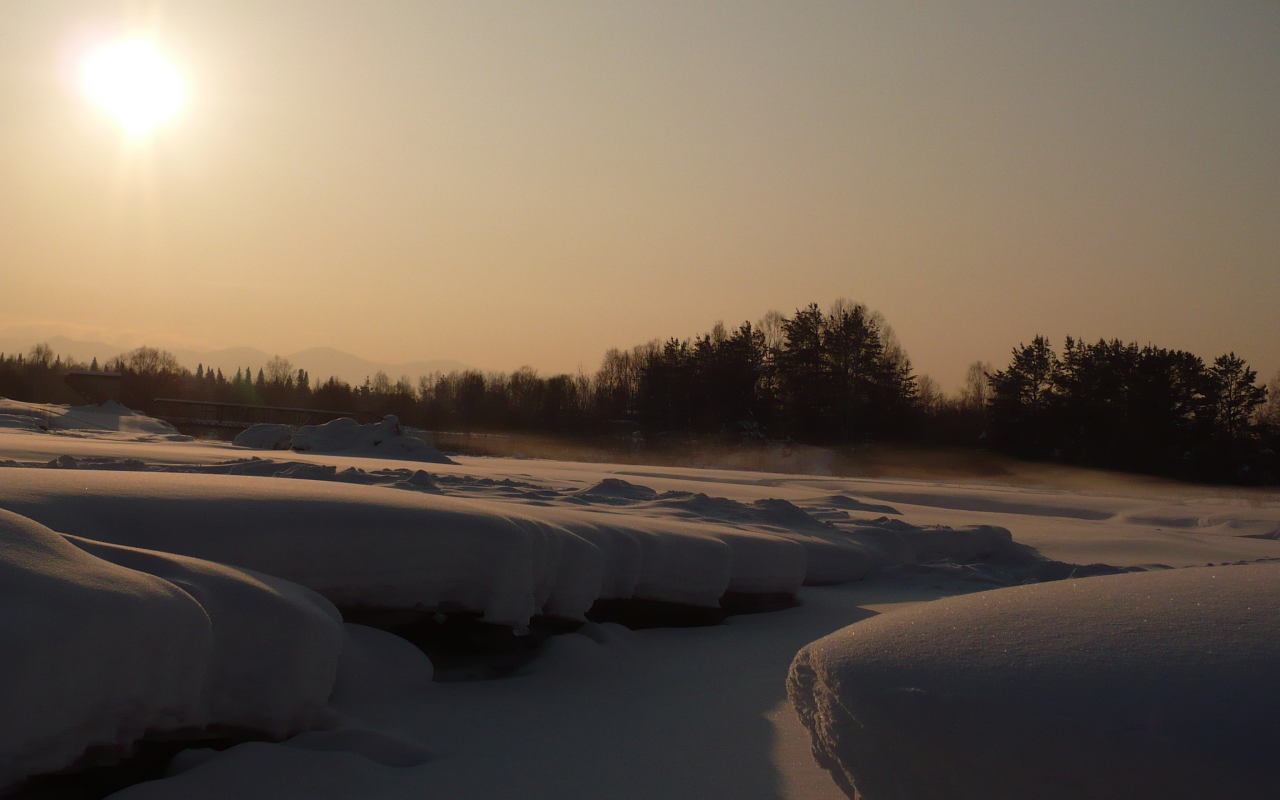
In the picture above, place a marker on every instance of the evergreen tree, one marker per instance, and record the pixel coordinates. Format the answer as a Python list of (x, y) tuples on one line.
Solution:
[(854, 357), (1023, 399), (802, 373), (1237, 395)]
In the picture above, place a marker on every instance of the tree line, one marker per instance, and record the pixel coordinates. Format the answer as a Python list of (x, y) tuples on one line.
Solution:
[(836, 377), (1137, 408)]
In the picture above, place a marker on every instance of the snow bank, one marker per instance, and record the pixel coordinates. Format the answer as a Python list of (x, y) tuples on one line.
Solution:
[(356, 545), (265, 437), (754, 532), (1147, 685), (104, 644), (370, 546), (377, 665), (105, 419), (511, 556), (273, 656), (344, 436), (834, 553)]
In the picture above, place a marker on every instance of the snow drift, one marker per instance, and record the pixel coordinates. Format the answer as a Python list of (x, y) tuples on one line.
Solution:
[(344, 436), (103, 644), (369, 546), (452, 545), (1148, 685), (108, 419)]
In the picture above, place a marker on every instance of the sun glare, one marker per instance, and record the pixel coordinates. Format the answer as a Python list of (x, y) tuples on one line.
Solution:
[(134, 83)]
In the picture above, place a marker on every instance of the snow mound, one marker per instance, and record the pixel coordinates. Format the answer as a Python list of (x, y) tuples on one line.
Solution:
[(20, 422), (273, 656), (383, 439), (964, 545), (265, 437), (377, 665), (831, 555), (104, 644), (420, 480), (617, 490), (109, 419), (770, 512), (1159, 684), (344, 436)]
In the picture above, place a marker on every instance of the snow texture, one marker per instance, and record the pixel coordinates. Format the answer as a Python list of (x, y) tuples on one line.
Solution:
[(344, 436), (371, 547), (103, 644), (443, 543), (1130, 686), (365, 546), (108, 420)]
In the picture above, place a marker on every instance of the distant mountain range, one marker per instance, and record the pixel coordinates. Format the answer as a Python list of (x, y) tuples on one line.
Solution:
[(320, 362)]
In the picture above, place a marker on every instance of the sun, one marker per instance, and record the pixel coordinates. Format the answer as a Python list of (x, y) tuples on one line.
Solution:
[(134, 83)]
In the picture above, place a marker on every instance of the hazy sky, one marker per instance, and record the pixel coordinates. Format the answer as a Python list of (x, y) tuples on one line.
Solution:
[(532, 183)]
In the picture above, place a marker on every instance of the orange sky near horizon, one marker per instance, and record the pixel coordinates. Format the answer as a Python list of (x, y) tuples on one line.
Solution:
[(514, 183)]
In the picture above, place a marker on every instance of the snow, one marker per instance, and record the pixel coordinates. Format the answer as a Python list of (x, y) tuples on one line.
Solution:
[(1106, 519), (357, 545), (610, 712), (302, 769), (108, 420), (273, 656), (377, 665), (1146, 685), (385, 439), (104, 644), (604, 712), (373, 547), (266, 437), (369, 546)]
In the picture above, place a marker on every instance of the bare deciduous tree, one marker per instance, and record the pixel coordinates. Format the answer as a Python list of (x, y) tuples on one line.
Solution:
[(976, 392), (929, 394), (771, 326), (41, 355), (149, 361), (279, 371), (1269, 413)]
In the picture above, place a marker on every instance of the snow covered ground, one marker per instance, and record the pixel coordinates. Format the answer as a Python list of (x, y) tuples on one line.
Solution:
[(605, 711)]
